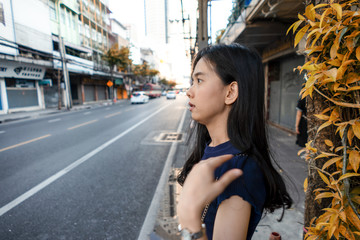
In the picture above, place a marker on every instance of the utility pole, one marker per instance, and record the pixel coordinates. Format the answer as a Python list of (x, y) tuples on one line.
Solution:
[(59, 88), (202, 34), (68, 103)]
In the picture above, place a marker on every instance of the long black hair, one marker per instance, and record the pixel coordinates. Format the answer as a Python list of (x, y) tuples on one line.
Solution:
[(246, 124)]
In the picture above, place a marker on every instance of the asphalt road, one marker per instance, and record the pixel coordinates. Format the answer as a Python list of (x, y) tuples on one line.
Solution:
[(88, 174)]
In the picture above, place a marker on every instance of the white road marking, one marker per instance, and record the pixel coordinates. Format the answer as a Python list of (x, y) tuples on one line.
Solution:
[(54, 120), (72, 166), (107, 108), (87, 113), (149, 222), (2, 132)]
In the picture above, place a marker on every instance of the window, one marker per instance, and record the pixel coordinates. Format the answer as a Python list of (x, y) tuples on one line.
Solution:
[(63, 16), (69, 14), (104, 41), (92, 7), (80, 27), (93, 32), (74, 21), (99, 38), (87, 30), (2, 15), (52, 10)]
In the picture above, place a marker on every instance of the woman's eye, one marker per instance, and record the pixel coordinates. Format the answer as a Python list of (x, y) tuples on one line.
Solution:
[(199, 80)]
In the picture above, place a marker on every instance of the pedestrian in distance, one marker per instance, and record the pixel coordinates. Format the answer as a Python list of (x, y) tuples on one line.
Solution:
[(301, 123), (226, 100)]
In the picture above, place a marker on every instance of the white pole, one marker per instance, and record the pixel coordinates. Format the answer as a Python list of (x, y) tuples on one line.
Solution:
[(63, 59)]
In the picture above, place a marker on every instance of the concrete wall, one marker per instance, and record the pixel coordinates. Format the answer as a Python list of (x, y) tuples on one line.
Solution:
[(7, 29), (32, 24)]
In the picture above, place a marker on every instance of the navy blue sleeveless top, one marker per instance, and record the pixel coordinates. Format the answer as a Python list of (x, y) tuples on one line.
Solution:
[(250, 186)]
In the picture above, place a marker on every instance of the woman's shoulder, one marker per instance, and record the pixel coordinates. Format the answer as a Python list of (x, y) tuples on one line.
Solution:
[(244, 162), (250, 186)]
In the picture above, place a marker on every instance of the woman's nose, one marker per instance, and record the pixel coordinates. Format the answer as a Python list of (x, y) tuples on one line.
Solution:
[(188, 92)]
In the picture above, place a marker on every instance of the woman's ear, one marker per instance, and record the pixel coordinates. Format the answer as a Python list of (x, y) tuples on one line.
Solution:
[(232, 93)]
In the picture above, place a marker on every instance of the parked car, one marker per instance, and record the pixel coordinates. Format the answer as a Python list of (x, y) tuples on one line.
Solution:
[(139, 97), (171, 95)]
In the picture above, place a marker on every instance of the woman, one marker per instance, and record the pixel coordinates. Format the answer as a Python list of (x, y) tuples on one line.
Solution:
[(227, 104)]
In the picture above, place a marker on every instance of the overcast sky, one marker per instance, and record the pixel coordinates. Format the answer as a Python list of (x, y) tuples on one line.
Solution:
[(132, 11)]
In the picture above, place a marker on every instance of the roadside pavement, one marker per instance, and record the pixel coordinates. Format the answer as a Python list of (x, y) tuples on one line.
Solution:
[(293, 169), (21, 115)]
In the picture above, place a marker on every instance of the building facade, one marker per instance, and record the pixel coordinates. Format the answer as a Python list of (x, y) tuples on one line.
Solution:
[(26, 53), (262, 25), (51, 56)]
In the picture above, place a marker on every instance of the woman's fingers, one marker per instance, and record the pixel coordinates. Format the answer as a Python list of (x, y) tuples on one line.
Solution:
[(227, 178)]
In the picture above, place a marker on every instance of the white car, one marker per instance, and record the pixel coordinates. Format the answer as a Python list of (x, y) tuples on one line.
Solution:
[(139, 97), (171, 95)]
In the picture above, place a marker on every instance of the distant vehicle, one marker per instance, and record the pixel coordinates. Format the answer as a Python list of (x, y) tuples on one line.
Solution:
[(139, 97), (171, 95), (163, 93), (152, 90)]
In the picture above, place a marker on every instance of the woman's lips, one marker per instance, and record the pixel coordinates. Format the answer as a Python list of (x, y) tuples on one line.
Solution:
[(191, 106)]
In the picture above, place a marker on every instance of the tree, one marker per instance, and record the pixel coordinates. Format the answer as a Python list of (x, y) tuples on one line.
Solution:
[(219, 35), (332, 89), (168, 84), (124, 59), (119, 57), (144, 71)]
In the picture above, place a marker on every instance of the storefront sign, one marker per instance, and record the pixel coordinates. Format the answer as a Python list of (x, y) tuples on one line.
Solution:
[(45, 82), (109, 83), (118, 81), (21, 70)]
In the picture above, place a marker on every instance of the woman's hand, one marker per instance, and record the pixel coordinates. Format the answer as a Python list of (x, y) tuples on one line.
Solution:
[(200, 188)]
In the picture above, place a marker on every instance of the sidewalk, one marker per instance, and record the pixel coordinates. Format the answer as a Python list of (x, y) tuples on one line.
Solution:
[(294, 170), (38, 113)]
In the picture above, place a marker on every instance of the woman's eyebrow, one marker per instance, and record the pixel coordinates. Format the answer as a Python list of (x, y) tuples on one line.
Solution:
[(198, 73)]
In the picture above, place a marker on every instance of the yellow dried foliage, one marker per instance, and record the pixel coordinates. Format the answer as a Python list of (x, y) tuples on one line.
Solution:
[(332, 34)]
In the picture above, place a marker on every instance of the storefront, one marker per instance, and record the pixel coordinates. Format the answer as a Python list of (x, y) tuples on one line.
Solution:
[(284, 88), (121, 92), (94, 90), (19, 86)]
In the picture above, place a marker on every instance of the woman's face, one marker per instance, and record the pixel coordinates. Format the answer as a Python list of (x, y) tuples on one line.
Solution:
[(207, 94)]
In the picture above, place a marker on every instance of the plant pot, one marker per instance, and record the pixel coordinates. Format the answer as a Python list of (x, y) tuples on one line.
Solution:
[(275, 236)]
